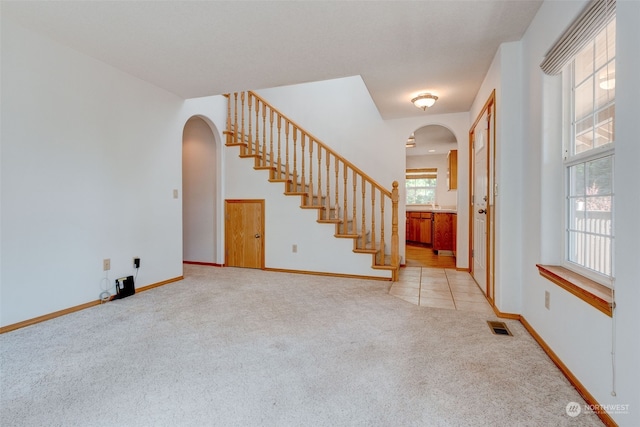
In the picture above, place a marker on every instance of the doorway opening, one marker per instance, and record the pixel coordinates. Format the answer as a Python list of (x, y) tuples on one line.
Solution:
[(431, 205), (199, 180)]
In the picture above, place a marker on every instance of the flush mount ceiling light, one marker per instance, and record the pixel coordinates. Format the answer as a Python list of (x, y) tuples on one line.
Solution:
[(424, 100), (411, 142)]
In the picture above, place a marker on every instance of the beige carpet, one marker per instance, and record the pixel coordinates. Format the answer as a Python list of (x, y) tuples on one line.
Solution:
[(233, 347)]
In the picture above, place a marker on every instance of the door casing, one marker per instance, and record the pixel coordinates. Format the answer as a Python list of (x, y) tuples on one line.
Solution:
[(488, 111)]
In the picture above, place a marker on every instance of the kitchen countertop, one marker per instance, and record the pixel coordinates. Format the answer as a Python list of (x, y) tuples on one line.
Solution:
[(428, 208)]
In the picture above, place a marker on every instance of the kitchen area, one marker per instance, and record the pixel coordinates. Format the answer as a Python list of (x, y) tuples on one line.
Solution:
[(435, 229)]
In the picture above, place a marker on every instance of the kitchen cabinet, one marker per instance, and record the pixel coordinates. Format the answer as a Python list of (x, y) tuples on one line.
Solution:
[(419, 227), (425, 227), (443, 231), (452, 170), (411, 226)]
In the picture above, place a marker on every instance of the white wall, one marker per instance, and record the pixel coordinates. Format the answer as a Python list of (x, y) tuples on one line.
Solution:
[(90, 158), (578, 333), (198, 192), (504, 76), (445, 198)]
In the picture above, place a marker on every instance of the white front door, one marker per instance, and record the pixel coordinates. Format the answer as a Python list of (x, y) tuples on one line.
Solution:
[(480, 205)]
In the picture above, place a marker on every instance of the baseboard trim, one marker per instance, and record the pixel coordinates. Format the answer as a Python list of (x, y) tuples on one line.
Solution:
[(45, 317), (589, 399), (319, 273), (155, 285), (512, 316), (210, 264)]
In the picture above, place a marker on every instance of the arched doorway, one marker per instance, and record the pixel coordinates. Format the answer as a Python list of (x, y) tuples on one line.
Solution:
[(431, 163), (199, 216)]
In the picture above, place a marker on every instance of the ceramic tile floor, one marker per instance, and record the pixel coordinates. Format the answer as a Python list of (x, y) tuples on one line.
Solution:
[(440, 288)]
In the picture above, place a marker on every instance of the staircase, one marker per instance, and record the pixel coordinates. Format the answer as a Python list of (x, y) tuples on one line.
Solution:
[(341, 193)]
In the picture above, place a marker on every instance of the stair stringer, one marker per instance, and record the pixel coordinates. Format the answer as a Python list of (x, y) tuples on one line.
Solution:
[(286, 224)]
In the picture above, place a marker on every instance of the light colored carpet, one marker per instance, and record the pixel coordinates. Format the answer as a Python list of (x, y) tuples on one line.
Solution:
[(233, 347)]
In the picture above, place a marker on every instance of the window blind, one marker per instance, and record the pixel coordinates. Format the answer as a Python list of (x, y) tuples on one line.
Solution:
[(595, 16), (426, 173)]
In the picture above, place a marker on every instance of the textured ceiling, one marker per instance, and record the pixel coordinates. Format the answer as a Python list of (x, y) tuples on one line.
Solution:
[(200, 48)]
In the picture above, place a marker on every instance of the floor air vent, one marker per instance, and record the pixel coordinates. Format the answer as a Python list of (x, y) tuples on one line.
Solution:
[(499, 328)]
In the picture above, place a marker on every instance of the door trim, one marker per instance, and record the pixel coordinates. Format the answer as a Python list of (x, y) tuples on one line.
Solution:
[(489, 109), (262, 226)]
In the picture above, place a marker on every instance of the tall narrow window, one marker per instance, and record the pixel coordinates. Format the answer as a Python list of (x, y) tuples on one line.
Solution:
[(589, 80)]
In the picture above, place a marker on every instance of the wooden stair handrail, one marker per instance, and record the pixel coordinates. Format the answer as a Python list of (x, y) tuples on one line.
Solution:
[(325, 146)]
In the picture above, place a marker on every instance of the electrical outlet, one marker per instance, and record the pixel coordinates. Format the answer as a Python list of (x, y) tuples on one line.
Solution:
[(106, 264), (136, 262), (547, 297), (294, 249)]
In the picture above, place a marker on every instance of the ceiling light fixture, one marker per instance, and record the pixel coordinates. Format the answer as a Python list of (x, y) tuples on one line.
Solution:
[(424, 100)]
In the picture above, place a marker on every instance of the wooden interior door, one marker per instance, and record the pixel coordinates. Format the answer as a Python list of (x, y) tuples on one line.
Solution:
[(244, 233)]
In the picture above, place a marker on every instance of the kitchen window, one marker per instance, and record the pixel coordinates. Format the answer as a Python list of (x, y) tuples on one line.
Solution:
[(420, 186)]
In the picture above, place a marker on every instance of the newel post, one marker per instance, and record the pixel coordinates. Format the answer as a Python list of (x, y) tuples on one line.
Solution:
[(395, 242)]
